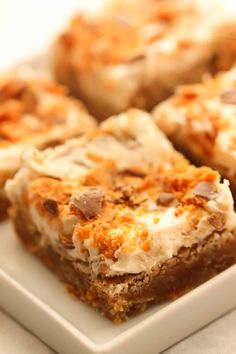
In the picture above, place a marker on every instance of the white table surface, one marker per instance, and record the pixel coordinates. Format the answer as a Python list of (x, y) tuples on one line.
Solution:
[(25, 27)]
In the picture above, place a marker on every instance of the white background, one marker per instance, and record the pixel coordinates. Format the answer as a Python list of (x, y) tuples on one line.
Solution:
[(28, 26)]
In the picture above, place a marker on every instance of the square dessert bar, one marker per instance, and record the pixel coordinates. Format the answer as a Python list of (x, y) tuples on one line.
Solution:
[(200, 120), (134, 53), (33, 112), (123, 218)]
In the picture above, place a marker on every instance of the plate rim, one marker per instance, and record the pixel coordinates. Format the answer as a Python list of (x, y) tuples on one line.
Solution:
[(133, 331)]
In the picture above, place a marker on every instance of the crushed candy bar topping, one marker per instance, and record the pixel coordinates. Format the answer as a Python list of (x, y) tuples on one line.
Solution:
[(229, 97), (206, 190), (34, 106), (218, 221), (203, 115), (51, 206), (165, 198), (110, 222), (88, 201), (122, 33), (66, 240)]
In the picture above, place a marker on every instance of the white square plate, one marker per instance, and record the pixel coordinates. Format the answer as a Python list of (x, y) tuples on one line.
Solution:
[(37, 299)]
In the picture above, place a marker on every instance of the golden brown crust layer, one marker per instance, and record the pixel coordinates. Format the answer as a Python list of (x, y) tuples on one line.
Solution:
[(180, 274)]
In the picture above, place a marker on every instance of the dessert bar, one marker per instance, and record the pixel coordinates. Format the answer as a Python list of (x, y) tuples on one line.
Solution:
[(123, 218), (34, 112), (200, 120), (134, 53)]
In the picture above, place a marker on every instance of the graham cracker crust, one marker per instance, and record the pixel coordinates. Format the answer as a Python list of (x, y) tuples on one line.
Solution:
[(120, 297)]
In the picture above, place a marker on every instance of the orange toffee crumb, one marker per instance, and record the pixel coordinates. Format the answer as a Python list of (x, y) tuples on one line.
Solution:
[(109, 227), (199, 104), (21, 105), (118, 36)]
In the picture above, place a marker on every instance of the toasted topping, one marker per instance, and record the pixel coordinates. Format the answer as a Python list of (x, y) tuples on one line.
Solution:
[(51, 206), (21, 105), (126, 194), (66, 240), (123, 33), (136, 58), (218, 221), (165, 198), (88, 201), (205, 190), (228, 97), (204, 126), (36, 106)]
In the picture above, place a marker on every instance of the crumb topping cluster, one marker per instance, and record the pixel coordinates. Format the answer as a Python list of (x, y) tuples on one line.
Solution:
[(207, 110), (123, 33), (31, 107), (106, 212)]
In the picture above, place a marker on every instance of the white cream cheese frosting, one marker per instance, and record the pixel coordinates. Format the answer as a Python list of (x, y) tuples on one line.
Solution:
[(125, 141)]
